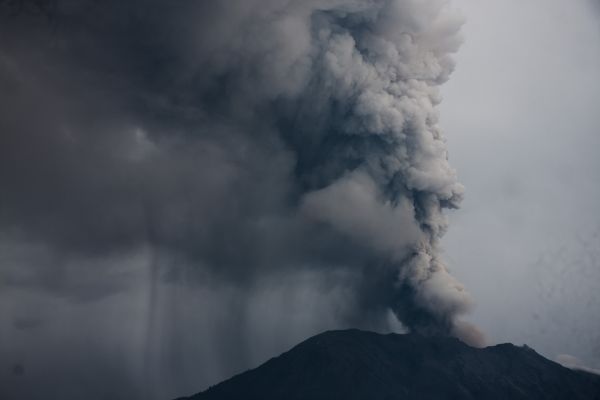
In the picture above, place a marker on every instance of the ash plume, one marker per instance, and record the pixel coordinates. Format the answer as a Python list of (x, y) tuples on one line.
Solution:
[(245, 138)]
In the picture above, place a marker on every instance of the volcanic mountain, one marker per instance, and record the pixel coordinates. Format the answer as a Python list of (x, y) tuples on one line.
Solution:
[(354, 364)]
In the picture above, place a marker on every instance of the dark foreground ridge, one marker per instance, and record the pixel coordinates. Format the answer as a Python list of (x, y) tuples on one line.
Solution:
[(355, 364)]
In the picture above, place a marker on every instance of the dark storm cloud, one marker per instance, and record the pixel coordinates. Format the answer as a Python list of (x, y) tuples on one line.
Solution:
[(241, 138), (230, 142)]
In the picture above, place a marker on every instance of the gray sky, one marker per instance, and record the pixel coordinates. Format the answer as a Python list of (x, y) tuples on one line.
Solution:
[(172, 213), (523, 127)]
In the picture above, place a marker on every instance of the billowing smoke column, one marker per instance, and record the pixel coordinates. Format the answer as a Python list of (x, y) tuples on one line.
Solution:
[(371, 161), (383, 177), (244, 138)]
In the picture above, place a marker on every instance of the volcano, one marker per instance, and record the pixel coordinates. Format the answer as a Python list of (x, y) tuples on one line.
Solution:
[(354, 364)]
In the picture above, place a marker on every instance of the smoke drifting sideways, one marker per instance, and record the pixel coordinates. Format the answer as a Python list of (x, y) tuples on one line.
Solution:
[(243, 138)]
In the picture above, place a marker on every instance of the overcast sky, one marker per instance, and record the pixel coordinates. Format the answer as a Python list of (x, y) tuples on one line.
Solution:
[(163, 226), (523, 127)]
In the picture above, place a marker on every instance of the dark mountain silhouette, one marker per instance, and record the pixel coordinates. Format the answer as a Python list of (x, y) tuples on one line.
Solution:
[(355, 364)]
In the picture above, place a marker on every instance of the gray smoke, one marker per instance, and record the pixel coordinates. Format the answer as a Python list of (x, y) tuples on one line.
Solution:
[(244, 139)]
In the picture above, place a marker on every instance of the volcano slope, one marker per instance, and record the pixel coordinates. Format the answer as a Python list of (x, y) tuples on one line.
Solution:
[(354, 364)]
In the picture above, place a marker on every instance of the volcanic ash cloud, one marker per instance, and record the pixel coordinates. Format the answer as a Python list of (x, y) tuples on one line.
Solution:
[(245, 139)]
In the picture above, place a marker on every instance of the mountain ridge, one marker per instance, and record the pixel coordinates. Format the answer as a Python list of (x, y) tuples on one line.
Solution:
[(354, 364)]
